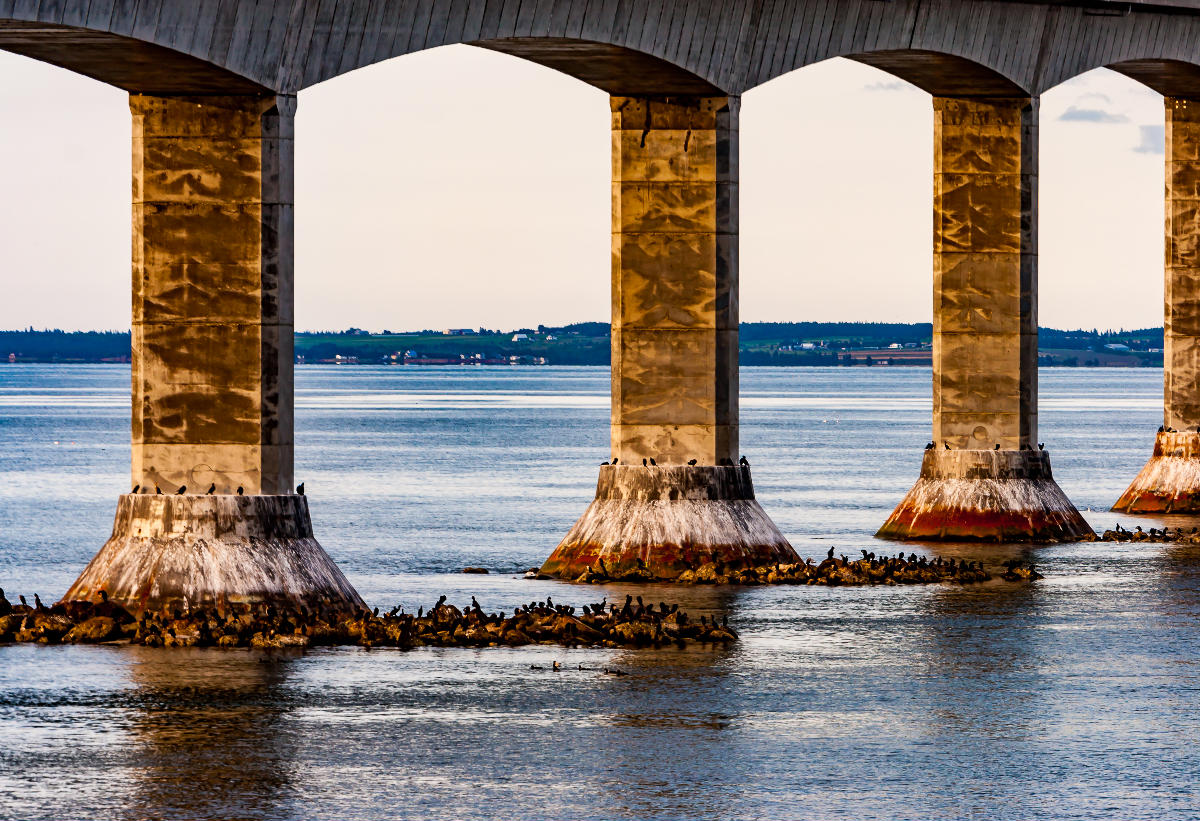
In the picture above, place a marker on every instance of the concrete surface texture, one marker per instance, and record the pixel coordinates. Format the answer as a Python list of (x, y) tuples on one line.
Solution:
[(662, 521), (674, 280), (984, 273), (692, 47), (986, 495), (212, 293), (1170, 481), (200, 551)]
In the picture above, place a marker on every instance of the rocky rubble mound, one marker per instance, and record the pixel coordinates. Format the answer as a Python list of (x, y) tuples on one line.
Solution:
[(1178, 535), (834, 572), (272, 626)]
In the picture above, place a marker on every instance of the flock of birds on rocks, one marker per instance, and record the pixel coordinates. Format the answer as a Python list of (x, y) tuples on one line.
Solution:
[(271, 626), (1166, 534), (832, 572)]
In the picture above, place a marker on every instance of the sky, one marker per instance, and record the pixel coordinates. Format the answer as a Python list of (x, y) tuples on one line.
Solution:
[(460, 187)]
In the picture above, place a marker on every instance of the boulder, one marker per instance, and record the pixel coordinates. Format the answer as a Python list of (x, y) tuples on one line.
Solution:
[(93, 630)]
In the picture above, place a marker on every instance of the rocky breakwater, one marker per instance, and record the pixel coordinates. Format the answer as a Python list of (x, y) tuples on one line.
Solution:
[(1176, 535), (269, 626), (836, 571)]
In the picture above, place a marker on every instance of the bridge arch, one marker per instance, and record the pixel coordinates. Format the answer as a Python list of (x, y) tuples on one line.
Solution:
[(136, 65)]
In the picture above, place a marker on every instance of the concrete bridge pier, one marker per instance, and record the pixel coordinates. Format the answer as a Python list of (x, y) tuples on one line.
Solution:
[(985, 479), (212, 367), (1170, 481), (674, 354)]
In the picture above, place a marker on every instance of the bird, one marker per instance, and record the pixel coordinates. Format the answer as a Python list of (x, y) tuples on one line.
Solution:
[(604, 463), (645, 463), (691, 461), (1041, 445), (37, 603), (556, 667), (997, 446), (240, 490), (929, 446), (136, 488), (615, 460), (157, 490), (212, 488), (181, 491), (947, 444), (300, 489), (653, 462), (744, 462), (829, 555)]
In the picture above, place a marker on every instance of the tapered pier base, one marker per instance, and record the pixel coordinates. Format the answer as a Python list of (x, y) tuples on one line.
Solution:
[(665, 520), (198, 551), (1170, 481), (988, 496)]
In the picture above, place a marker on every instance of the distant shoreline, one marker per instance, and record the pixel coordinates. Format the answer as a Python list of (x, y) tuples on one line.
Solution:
[(771, 344)]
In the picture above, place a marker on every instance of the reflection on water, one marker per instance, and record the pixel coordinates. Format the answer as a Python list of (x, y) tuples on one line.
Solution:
[(207, 733), (1076, 697)]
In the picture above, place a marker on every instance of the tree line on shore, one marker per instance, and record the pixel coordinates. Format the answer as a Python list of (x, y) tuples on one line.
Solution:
[(587, 343)]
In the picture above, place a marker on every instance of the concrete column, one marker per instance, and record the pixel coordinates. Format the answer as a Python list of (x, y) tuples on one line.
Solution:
[(212, 292), (985, 273), (1170, 481), (981, 477), (212, 368), (674, 356), (674, 280)]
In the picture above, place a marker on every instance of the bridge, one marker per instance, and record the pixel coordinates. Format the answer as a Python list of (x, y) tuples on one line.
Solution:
[(213, 86)]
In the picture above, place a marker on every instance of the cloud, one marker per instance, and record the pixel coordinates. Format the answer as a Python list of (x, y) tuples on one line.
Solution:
[(1152, 140), (1075, 114), (896, 85)]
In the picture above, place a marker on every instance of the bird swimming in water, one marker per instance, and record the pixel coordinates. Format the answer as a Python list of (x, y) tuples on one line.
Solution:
[(240, 490), (212, 488), (691, 461), (136, 488), (181, 491)]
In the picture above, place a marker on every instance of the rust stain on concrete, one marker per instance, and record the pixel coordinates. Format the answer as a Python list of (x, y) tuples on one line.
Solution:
[(986, 495)]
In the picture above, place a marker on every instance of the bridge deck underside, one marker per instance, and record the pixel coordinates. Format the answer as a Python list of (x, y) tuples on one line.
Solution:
[(125, 62)]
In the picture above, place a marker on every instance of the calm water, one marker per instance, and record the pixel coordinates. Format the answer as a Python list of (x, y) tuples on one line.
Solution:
[(1077, 697)]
